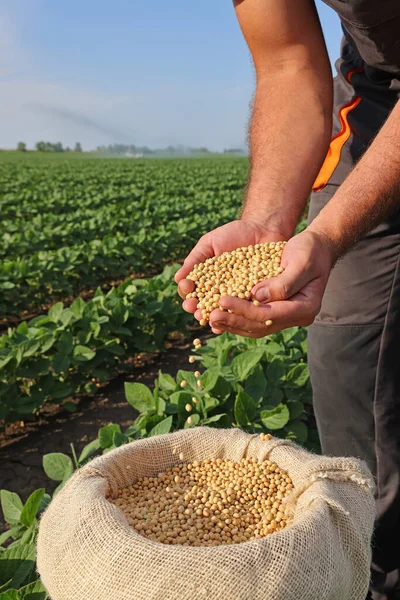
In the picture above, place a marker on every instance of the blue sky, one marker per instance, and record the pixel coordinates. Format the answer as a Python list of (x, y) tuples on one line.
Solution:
[(147, 72)]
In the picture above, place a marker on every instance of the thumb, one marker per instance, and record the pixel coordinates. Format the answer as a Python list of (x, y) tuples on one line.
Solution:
[(202, 250), (283, 286)]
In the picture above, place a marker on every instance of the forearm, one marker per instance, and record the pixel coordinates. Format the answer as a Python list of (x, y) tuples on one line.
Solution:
[(290, 133), (369, 194)]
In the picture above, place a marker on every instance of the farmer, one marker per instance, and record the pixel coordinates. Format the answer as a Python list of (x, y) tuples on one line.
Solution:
[(342, 273)]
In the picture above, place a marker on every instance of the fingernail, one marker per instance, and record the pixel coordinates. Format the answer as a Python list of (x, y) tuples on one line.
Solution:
[(217, 324), (262, 295)]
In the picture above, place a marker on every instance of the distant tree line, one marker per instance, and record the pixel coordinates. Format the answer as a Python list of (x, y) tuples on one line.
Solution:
[(133, 150), (49, 147), (124, 149)]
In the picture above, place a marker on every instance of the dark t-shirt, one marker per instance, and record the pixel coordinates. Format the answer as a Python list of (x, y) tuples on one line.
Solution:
[(367, 85), (372, 29)]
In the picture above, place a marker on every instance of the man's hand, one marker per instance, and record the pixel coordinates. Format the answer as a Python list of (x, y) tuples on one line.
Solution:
[(292, 298), (223, 239)]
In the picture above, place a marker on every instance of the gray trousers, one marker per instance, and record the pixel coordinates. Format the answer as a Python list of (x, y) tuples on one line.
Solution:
[(354, 355)]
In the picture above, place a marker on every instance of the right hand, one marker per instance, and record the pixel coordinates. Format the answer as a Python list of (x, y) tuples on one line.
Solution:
[(223, 239)]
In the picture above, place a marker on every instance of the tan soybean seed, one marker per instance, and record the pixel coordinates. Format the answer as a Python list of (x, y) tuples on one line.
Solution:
[(208, 503), (233, 274)]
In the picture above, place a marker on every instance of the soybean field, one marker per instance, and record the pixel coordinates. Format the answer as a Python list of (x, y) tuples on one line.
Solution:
[(88, 251)]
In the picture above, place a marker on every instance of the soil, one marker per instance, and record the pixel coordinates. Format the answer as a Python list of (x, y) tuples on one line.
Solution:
[(22, 447)]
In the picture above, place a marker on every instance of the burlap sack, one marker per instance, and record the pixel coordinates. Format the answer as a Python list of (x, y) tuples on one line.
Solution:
[(87, 550)]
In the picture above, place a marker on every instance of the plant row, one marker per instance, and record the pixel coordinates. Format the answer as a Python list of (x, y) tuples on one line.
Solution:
[(258, 385), (74, 224), (66, 351)]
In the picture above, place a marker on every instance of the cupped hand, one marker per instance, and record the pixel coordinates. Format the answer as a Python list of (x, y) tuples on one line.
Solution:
[(223, 239), (289, 299)]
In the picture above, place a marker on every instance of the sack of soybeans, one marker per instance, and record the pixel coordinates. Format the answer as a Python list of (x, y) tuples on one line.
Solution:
[(210, 514)]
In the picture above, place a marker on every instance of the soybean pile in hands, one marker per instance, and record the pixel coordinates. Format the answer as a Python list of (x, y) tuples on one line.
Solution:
[(234, 274)]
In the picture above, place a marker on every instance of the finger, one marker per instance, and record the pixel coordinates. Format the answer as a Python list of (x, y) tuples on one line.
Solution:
[(190, 305), (216, 331), (224, 320), (280, 311), (185, 286), (283, 286), (259, 334), (202, 250)]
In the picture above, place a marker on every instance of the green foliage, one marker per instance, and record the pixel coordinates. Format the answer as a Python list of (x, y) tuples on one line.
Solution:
[(71, 222), (18, 577), (55, 356), (258, 385)]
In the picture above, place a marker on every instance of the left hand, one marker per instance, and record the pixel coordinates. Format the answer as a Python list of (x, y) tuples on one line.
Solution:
[(290, 299)]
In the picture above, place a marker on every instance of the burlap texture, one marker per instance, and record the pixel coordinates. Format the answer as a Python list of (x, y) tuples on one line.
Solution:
[(87, 550)]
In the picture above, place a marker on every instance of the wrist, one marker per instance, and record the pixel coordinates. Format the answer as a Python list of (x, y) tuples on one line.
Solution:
[(331, 242), (271, 221)]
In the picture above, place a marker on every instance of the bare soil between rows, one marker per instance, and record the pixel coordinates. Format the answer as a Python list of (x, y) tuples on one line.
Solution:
[(22, 448)]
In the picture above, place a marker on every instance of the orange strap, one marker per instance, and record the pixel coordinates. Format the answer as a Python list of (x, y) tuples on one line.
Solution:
[(338, 141)]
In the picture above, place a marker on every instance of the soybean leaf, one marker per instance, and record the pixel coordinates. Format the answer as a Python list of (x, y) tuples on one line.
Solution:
[(273, 396), (33, 591), (195, 418), (163, 427), (29, 512), (244, 362), (296, 409), (245, 409), (119, 439), (58, 466), (256, 383), (139, 396), (221, 388), (213, 419), (171, 409), (209, 378), (88, 450), (45, 502), (56, 311), (273, 348), (297, 376), (5, 586), (16, 564), (297, 430), (276, 418), (106, 435), (152, 421), (209, 403), (13, 533), (83, 353), (180, 399), (276, 371), (10, 595), (166, 382), (189, 377), (77, 307), (12, 506)]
